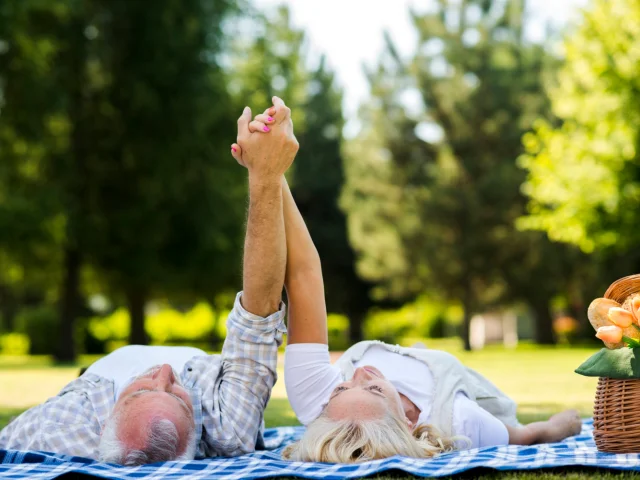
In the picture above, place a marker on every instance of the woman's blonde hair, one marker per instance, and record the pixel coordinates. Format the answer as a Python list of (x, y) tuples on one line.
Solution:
[(348, 441)]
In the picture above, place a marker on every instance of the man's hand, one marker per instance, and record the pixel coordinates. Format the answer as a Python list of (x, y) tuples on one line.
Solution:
[(266, 156), (267, 152)]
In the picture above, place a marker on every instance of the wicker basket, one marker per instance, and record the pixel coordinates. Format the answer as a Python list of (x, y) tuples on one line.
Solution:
[(616, 412)]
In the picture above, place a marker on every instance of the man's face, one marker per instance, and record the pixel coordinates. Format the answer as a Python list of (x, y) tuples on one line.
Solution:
[(156, 394)]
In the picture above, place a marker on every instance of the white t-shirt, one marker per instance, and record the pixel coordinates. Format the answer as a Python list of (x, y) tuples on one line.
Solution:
[(124, 364), (310, 378)]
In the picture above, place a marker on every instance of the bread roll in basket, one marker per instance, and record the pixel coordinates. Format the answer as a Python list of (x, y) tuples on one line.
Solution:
[(616, 411)]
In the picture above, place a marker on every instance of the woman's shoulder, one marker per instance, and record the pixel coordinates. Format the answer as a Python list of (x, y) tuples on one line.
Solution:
[(420, 351)]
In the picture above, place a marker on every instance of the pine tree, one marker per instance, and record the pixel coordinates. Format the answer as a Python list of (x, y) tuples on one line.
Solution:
[(115, 130), (434, 189), (274, 64)]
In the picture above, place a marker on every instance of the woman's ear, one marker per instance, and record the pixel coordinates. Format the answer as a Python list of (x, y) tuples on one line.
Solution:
[(409, 423)]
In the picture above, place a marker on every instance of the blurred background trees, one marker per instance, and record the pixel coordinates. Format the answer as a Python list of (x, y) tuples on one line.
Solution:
[(490, 174), (448, 125), (583, 174)]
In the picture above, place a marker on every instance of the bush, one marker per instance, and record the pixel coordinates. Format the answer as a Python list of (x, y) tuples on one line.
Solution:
[(438, 328), (167, 326), (88, 342), (14, 344), (423, 318), (338, 330), (40, 324)]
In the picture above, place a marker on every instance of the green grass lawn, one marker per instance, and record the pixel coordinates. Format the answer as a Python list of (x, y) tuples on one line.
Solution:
[(541, 380)]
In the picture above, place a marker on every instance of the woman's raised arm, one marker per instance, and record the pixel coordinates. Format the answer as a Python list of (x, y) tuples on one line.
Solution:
[(303, 278)]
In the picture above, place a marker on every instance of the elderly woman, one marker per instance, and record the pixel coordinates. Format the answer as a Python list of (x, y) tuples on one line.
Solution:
[(381, 400)]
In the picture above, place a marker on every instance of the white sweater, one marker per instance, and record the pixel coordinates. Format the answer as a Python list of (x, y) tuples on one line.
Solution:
[(310, 378)]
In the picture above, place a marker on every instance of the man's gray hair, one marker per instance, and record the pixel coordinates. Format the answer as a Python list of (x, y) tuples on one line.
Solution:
[(161, 445)]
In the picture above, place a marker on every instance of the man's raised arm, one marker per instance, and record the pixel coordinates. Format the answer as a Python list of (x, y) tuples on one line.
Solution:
[(233, 414), (265, 251), (266, 158)]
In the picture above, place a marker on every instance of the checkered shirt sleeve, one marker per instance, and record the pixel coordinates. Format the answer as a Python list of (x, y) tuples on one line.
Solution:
[(234, 402), (65, 424)]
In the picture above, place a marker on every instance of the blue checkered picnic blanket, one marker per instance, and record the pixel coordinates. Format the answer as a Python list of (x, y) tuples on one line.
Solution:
[(575, 451)]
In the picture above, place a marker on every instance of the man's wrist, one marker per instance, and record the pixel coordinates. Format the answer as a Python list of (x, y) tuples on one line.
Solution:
[(264, 179)]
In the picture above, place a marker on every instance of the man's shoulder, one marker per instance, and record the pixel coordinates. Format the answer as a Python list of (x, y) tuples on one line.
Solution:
[(86, 384), (77, 403), (201, 363), (91, 394)]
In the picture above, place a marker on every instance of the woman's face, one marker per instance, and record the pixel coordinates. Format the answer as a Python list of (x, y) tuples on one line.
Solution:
[(367, 396)]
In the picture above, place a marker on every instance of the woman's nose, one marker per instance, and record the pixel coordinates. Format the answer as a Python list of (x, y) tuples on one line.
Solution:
[(361, 375)]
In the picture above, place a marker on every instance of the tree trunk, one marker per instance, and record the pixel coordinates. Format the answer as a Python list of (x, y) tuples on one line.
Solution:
[(66, 349), (544, 322), (136, 301), (8, 308), (356, 319), (578, 310), (215, 342), (466, 320)]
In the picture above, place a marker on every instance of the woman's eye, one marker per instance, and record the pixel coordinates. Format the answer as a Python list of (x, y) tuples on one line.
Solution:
[(376, 388), (339, 389)]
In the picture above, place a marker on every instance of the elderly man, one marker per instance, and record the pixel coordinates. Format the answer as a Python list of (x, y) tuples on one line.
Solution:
[(147, 404)]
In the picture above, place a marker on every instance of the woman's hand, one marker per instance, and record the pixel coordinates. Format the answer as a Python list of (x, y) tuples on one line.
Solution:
[(260, 124), (266, 156)]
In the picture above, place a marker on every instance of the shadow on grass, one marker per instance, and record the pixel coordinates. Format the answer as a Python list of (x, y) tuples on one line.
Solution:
[(487, 474), (535, 412), (578, 473), (7, 414), (279, 414), (36, 362)]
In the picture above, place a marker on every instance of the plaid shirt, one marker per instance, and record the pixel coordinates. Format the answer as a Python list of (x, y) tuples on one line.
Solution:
[(229, 393)]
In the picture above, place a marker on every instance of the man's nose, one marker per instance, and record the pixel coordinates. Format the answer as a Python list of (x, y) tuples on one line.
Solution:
[(361, 375), (165, 376)]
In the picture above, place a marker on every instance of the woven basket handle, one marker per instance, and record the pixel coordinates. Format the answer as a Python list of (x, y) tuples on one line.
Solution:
[(622, 288)]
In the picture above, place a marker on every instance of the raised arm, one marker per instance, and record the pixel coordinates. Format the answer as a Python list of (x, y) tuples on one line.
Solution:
[(265, 250), (309, 374), (303, 280), (232, 416)]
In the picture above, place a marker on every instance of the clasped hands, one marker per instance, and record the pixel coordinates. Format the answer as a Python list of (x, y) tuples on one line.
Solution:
[(267, 157)]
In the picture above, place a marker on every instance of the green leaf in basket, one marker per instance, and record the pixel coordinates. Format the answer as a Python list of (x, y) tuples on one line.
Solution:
[(631, 342), (621, 363)]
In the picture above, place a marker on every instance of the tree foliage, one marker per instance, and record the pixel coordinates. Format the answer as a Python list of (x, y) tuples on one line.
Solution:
[(114, 134), (273, 63), (583, 172), (433, 188)]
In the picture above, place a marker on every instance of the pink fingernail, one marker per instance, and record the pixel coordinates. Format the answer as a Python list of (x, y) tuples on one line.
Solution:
[(233, 148), (266, 129), (270, 119)]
